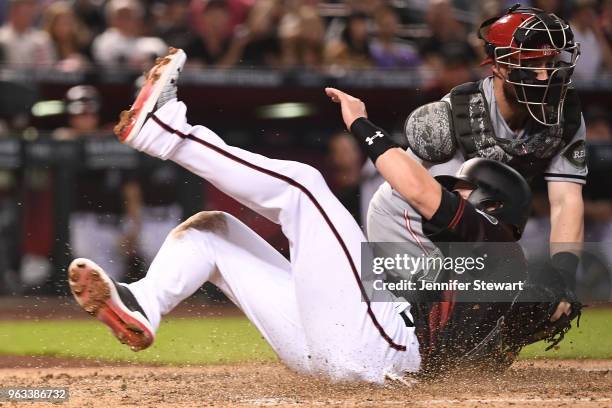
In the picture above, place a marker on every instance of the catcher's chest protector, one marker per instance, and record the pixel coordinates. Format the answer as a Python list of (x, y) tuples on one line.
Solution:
[(475, 135)]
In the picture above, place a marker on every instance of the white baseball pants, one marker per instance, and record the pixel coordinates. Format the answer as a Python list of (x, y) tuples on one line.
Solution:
[(310, 309)]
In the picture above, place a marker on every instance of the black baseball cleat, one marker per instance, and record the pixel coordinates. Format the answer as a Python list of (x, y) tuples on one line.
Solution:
[(111, 303)]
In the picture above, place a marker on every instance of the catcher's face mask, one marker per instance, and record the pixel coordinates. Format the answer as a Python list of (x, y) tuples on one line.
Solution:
[(540, 55)]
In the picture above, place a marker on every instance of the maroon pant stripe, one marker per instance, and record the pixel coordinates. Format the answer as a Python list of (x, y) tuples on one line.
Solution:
[(307, 192)]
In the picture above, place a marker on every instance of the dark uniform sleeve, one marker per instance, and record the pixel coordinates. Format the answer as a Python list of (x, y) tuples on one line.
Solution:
[(457, 220)]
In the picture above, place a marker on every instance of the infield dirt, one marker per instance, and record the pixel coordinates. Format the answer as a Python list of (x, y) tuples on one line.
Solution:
[(542, 383)]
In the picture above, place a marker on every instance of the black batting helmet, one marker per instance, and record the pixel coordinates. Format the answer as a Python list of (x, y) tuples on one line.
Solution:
[(499, 190)]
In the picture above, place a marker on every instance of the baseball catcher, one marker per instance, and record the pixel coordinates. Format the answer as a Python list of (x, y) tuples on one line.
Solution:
[(526, 115), (313, 310)]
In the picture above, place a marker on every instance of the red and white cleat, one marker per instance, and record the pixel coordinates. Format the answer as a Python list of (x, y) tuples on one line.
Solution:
[(111, 303), (158, 88)]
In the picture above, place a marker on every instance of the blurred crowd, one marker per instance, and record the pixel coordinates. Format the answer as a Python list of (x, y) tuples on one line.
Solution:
[(429, 35), (131, 211)]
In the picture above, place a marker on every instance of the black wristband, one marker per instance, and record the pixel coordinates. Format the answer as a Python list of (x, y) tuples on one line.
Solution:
[(374, 139), (446, 211), (567, 265)]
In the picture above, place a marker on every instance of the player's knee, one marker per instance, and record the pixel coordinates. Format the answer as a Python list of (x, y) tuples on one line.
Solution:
[(215, 221)]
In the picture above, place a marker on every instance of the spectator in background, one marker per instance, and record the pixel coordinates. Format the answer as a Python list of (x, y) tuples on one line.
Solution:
[(172, 22), (22, 43), (595, 50), (263, 46), (598, 125), (122, 43), (447, 53), (367, 7), (108, 203), (345, 161), (238, 11), (157, 198), (549, 6), (444, 28), (458, 60), (561, 8), (82, 104), (488, 9), (352, 180), (606, 20), (68, 37), (302, 35), (91, 13), (215, 44), (598, 204), (387, 49), (352, 49)]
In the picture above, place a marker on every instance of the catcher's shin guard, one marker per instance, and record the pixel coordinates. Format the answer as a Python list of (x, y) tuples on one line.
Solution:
[(111, 303)]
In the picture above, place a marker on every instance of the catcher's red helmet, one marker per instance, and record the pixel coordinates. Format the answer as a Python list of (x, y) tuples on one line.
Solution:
[(524, 34), (501, 34)]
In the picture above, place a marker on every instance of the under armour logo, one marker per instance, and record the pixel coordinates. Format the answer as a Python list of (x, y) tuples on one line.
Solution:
[(370, 140)]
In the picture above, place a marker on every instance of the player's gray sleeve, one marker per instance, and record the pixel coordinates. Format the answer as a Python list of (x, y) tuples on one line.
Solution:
[(370, 182), (382, 220), (448, 168), (385, 218), (570, 164)]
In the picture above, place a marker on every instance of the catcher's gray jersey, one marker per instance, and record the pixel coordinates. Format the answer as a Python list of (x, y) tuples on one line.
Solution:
[(562, 167)]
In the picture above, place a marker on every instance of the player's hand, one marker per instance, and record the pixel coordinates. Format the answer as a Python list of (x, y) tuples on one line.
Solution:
[(352, 108), (564, 308)]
